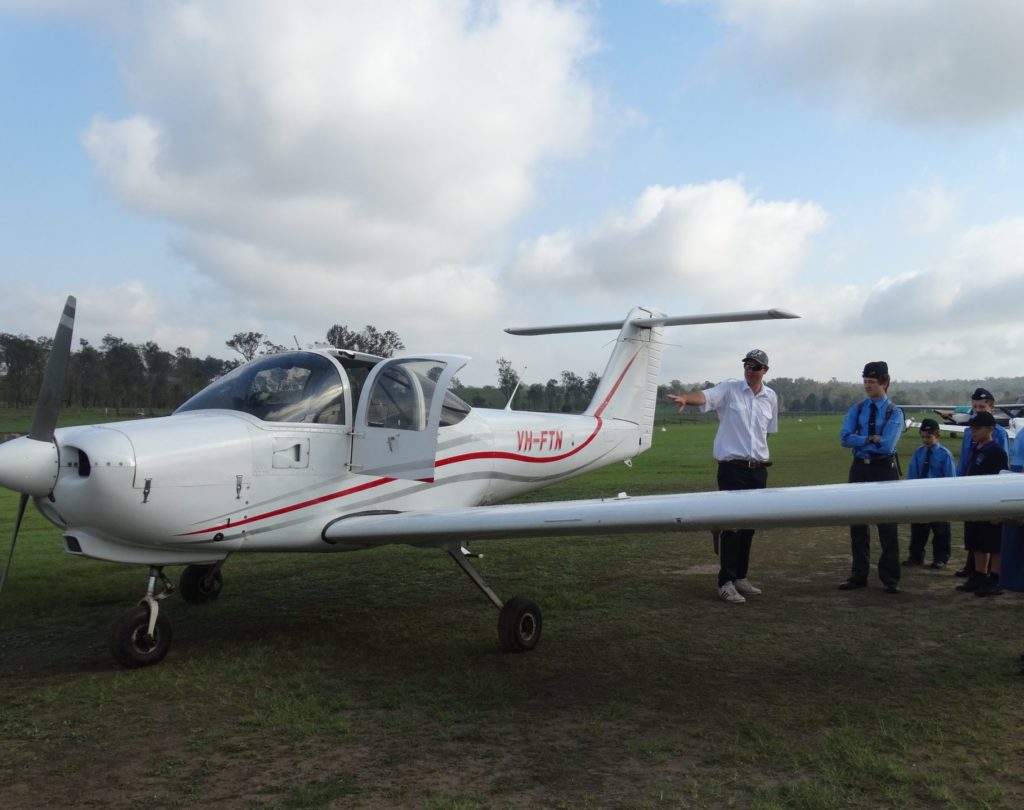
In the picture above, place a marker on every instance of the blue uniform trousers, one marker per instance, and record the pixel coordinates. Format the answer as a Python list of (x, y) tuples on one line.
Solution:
[(860, 535)]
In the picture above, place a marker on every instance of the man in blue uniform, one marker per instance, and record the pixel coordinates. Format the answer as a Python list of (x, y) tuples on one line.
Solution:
[(871, 430)]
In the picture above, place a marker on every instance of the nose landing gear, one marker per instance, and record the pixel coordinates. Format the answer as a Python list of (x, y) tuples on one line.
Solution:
[(142, 636)]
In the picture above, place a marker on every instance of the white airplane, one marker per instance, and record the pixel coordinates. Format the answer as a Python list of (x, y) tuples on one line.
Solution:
[(957, 416), (333, 450)]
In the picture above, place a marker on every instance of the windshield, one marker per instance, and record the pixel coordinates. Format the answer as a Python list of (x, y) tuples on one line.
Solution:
[(287, 387)]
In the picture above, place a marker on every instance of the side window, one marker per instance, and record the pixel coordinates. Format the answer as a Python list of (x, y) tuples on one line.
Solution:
[(396, 400)]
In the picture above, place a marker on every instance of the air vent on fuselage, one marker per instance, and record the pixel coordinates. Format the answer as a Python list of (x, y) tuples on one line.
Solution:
[(84, 467)]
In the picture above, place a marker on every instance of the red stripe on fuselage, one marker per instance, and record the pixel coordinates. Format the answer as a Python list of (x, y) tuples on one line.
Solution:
[(484, 454), (293, 507)]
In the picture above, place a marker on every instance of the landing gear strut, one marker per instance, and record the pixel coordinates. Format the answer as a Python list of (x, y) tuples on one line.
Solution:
[(142, 636), (519, 619)]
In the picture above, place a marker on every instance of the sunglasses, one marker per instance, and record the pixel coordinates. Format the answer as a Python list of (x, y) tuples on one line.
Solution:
[(754, 366)]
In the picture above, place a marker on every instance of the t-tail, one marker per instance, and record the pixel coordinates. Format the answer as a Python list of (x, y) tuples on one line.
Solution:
[(628, 390)]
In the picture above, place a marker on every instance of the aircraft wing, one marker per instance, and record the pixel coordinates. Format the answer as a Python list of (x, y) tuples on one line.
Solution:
[(976, 498)]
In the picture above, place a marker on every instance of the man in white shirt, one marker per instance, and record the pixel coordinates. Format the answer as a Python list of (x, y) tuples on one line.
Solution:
[(748, 411)]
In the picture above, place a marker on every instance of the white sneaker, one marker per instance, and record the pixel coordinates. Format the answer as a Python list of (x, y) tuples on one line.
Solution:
[(729, 594), (744, 587)]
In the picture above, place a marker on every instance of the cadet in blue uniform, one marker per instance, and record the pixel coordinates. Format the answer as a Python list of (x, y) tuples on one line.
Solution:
[(930, 460), (981, 400), (871, 430), (983, 538)]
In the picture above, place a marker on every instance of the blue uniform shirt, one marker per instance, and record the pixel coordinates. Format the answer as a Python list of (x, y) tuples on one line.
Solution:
[(888, 424), (940, 465), (999, 435), (1017, 456)]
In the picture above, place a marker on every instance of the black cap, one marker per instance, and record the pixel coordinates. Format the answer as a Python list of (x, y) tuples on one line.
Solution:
[(757, 356), (982, 393), (982, 419), (929, 425), (875, 369)]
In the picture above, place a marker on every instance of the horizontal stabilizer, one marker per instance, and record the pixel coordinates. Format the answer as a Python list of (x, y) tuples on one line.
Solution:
[(990, 497), (679, 320)]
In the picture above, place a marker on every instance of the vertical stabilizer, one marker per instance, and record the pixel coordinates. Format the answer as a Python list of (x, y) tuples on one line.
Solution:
[(629, 386)]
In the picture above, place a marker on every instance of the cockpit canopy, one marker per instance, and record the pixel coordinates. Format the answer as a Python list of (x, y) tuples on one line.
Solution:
[(309, 387), (287, 387)]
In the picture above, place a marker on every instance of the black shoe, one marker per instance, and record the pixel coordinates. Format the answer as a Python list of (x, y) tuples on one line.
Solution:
[(963, 572), (852, 584), (891, 587), (912, 562), (938, 565), (973, 583), (989, 589)]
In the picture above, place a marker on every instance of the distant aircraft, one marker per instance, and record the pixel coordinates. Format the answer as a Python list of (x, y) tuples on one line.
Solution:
[(333, 450), (960, 414)]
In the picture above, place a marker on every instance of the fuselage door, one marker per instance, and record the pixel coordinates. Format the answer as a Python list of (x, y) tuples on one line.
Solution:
[(396, 422)]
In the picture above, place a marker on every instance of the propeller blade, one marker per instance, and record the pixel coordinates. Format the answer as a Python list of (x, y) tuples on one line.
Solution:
[(22, 502), (51, 393)]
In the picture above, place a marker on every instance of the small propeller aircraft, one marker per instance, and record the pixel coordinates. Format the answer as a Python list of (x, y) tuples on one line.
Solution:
[(957, 416), (333, 450)]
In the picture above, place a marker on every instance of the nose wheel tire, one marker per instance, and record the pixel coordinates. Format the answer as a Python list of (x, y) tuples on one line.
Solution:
[(200, 584), (131, 643), (519, 625)]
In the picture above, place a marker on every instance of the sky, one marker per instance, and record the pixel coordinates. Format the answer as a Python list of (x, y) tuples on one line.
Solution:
[(449, 168)]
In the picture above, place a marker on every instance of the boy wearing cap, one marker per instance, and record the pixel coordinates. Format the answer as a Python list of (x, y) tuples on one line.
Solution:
[(871, 430), (930, 460), (983, 538), (748, 411), (981, 400)]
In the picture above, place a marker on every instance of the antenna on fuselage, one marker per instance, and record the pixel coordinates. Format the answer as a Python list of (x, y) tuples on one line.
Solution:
[(512, 396)]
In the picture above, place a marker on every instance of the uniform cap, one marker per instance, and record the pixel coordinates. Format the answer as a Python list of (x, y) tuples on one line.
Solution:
[(982, 393), (875, 368), (929, 425), (982, 419)]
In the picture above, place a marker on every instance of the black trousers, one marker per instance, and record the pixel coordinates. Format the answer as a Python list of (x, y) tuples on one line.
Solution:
[(942, 541), (860, 535), (734, 545)]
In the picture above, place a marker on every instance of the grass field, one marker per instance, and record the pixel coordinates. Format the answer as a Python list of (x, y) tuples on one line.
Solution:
[(375, 679)]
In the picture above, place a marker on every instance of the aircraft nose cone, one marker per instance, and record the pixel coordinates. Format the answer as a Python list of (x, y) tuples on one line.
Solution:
[(29, 466)]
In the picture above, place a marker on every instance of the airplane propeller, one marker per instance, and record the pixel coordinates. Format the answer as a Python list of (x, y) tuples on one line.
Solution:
[(30, 465)]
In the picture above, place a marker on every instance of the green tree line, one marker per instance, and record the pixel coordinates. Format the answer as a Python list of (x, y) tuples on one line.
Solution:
[(129, 376), (122, 375)]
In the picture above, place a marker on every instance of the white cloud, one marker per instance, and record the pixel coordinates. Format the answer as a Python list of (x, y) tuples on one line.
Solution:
[(961, 312), (713, 240), (921, 62), (342, 136)]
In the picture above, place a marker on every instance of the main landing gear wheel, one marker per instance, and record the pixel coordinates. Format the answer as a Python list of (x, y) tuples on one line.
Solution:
[(519, 620), (131, 642), (200, 584), (519, 625)]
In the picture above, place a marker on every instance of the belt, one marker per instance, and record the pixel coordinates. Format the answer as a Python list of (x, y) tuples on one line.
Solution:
[(749, 463), (876, 460)]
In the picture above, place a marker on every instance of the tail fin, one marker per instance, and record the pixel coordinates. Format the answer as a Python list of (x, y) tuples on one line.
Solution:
[(629, 385)]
